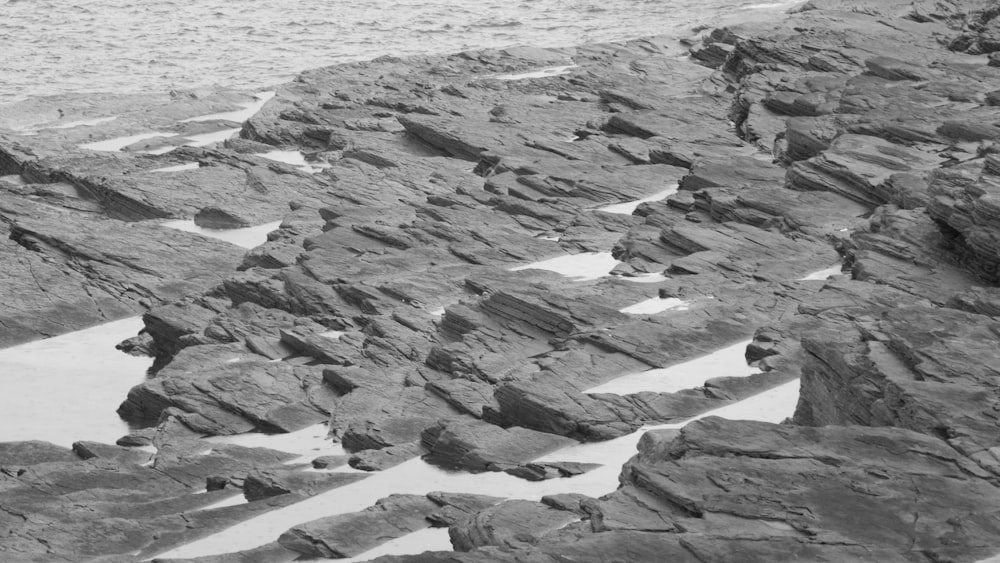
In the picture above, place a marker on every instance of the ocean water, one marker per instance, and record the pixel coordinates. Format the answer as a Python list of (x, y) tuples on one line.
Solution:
[(54, 47)]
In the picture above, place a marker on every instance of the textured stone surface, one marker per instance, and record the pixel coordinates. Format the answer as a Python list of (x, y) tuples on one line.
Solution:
[(851, 137), (348, 535)]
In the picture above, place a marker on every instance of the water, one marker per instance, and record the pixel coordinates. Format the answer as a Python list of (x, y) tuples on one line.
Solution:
[(655, 305), (129, 46), (729, 361), (629, 206), (581, 267), (247, 237), (67, 388)]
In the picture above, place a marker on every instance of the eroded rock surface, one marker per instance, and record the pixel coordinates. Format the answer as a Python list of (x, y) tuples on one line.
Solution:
[(822, 184)]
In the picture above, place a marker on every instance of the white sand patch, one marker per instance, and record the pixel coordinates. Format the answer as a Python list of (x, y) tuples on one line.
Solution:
[(823, 274), (581, 267), (205, 139), (629, 207), (178, 168), (308, 443), (234, 500), (729, 361), (655, 305), (239, 116), (428, 539), (14, 179), (540, 73), (652, 277), (771, 5), (67, 388), (248, 237)]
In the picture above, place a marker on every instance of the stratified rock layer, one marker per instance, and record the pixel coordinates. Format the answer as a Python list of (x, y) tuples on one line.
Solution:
[(821, 185)]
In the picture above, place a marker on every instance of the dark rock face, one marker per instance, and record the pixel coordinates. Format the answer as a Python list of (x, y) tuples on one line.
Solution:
[(57, 500), (851, 138), (510, 524), (744, 491), (74, 270), (265, 484), (351, 534), (484, 447), (913, 376), (965, 200), (219, 399)]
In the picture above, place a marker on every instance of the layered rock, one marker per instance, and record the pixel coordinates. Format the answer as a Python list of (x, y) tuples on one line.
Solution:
[(138, 503), (389, 305), (744, 491)]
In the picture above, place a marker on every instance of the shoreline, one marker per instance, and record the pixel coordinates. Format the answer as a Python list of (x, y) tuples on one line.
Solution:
[(360, 42), (392, 302)]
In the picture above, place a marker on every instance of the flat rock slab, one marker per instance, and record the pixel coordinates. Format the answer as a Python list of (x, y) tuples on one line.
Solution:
[(725, 490), (273, 482), (71, 270), (348, 535), (915, 377), (477, 446), (808, 479), (509, 524), (203, 382)]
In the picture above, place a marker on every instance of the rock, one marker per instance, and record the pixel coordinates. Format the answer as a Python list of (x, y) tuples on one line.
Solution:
[(389, 416), (23, 454), (458, 507), (350, 534), (980, 300), (329, 461), (137, 509), (269, 553), (550, 470), (690, 460), (895, 69), (555, 410), (384, 458), (123, 268), (187, 462), (262, 485), (737, 173), (842, 133), (908, 251), (510, 524), (138, 438), (202, 381), (469, 397), (88, 450), (915, 380), (478, 446), (215, 218), (857, 167)]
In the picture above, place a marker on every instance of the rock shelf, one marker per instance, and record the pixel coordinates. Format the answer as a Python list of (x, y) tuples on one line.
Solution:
[(449, 275)]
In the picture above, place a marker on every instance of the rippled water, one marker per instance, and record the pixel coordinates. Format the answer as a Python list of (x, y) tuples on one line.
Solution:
[(132, 46)]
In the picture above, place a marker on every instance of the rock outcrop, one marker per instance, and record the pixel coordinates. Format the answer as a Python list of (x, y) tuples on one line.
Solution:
[(454, 273)]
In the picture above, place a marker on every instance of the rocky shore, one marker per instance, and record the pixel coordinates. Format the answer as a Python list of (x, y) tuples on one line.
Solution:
[(475, 249)]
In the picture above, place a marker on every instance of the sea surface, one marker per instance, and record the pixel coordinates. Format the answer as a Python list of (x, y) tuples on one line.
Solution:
[(50, 47)]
